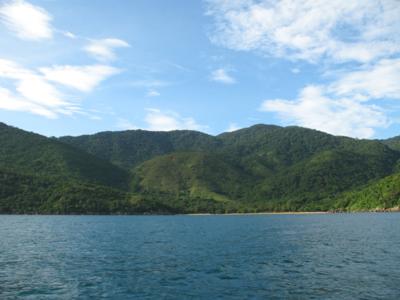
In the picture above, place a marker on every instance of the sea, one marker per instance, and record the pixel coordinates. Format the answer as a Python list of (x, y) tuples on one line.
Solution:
[(315, 256)]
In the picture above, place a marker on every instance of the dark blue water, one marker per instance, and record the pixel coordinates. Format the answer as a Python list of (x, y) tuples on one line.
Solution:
[(341, 256)]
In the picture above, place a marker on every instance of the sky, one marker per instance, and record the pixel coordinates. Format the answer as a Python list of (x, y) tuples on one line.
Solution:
[(72, 67)]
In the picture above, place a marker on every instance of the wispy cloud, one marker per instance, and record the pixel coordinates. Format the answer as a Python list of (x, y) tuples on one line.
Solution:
[(153, 93), (83, 78), (233, 127), (373, 81), (104, 49), (364, 34), (221, 75), (152, 86), (308, 29), (9, 101), (69, 34), (158, 120), (341, 106), (32, 92), (125, 124), (295, 70), (314, 108), (39, 91), (27, 21), (149, 83)]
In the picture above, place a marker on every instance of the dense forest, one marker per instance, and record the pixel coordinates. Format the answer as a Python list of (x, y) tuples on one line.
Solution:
[(257, 169)]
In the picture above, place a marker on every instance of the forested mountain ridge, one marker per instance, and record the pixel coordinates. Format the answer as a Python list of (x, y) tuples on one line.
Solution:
[(34, 154), (129, 148), (260, 168), (393, 143)]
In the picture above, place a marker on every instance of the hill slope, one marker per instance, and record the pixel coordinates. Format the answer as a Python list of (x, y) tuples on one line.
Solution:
[(128, 149), (382, 194), (30, 153), (260, 168), (393, 143), (21, 193)]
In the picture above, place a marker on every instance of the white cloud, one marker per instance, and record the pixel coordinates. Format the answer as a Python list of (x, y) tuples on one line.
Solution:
[(152, 86), (27, 21), (233, 127), (340, 107), (295, 70), (158, 120), (35, 94), (149, 83), (309, 29), (153, 93), (39, 91), (69, 34), (363, 33), (126, 124), (376, 81), (30, 85), (103, 50), (221, 75), (340, 116), (83, 78), (8, 101)]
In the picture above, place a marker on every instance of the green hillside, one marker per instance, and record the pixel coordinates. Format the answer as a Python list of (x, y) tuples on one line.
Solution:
[(21, 193), (128, 149), (382, 194), (196, 174), (260, 168), (30, 153), (393, 143)]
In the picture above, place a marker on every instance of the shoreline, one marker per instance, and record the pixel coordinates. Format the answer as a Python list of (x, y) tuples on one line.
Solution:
[(265, 213), (212, 214), (328, 212)]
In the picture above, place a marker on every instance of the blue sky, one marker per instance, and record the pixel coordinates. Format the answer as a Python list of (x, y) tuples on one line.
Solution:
[(77, 67)]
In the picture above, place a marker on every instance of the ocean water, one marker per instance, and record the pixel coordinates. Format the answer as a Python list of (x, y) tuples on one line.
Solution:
[(334, 256)]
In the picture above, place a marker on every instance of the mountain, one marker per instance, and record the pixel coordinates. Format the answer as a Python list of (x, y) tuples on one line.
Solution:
[(393, 143), (260, 168), (39, 174), (193, 181), (129, 148), (382, 194), (30, 153), (22, 193), (264, 166)]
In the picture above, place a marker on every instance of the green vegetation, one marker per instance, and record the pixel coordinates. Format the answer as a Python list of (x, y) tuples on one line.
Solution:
[(30, 153), (261, 168), (393, 143), (129, 148), (382, 194)]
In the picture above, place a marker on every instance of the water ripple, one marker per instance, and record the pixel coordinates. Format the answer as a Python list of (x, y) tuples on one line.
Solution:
[(349, 256)]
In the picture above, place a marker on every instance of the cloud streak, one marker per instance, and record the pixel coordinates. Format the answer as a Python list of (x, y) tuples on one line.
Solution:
[(104, 50), (363, 34), (27, 21), (221, 75), (34, 91), (125, 124), (82, 78), (315, 109), (39, 91), (374, 81), (309, 29), (158, 120)]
